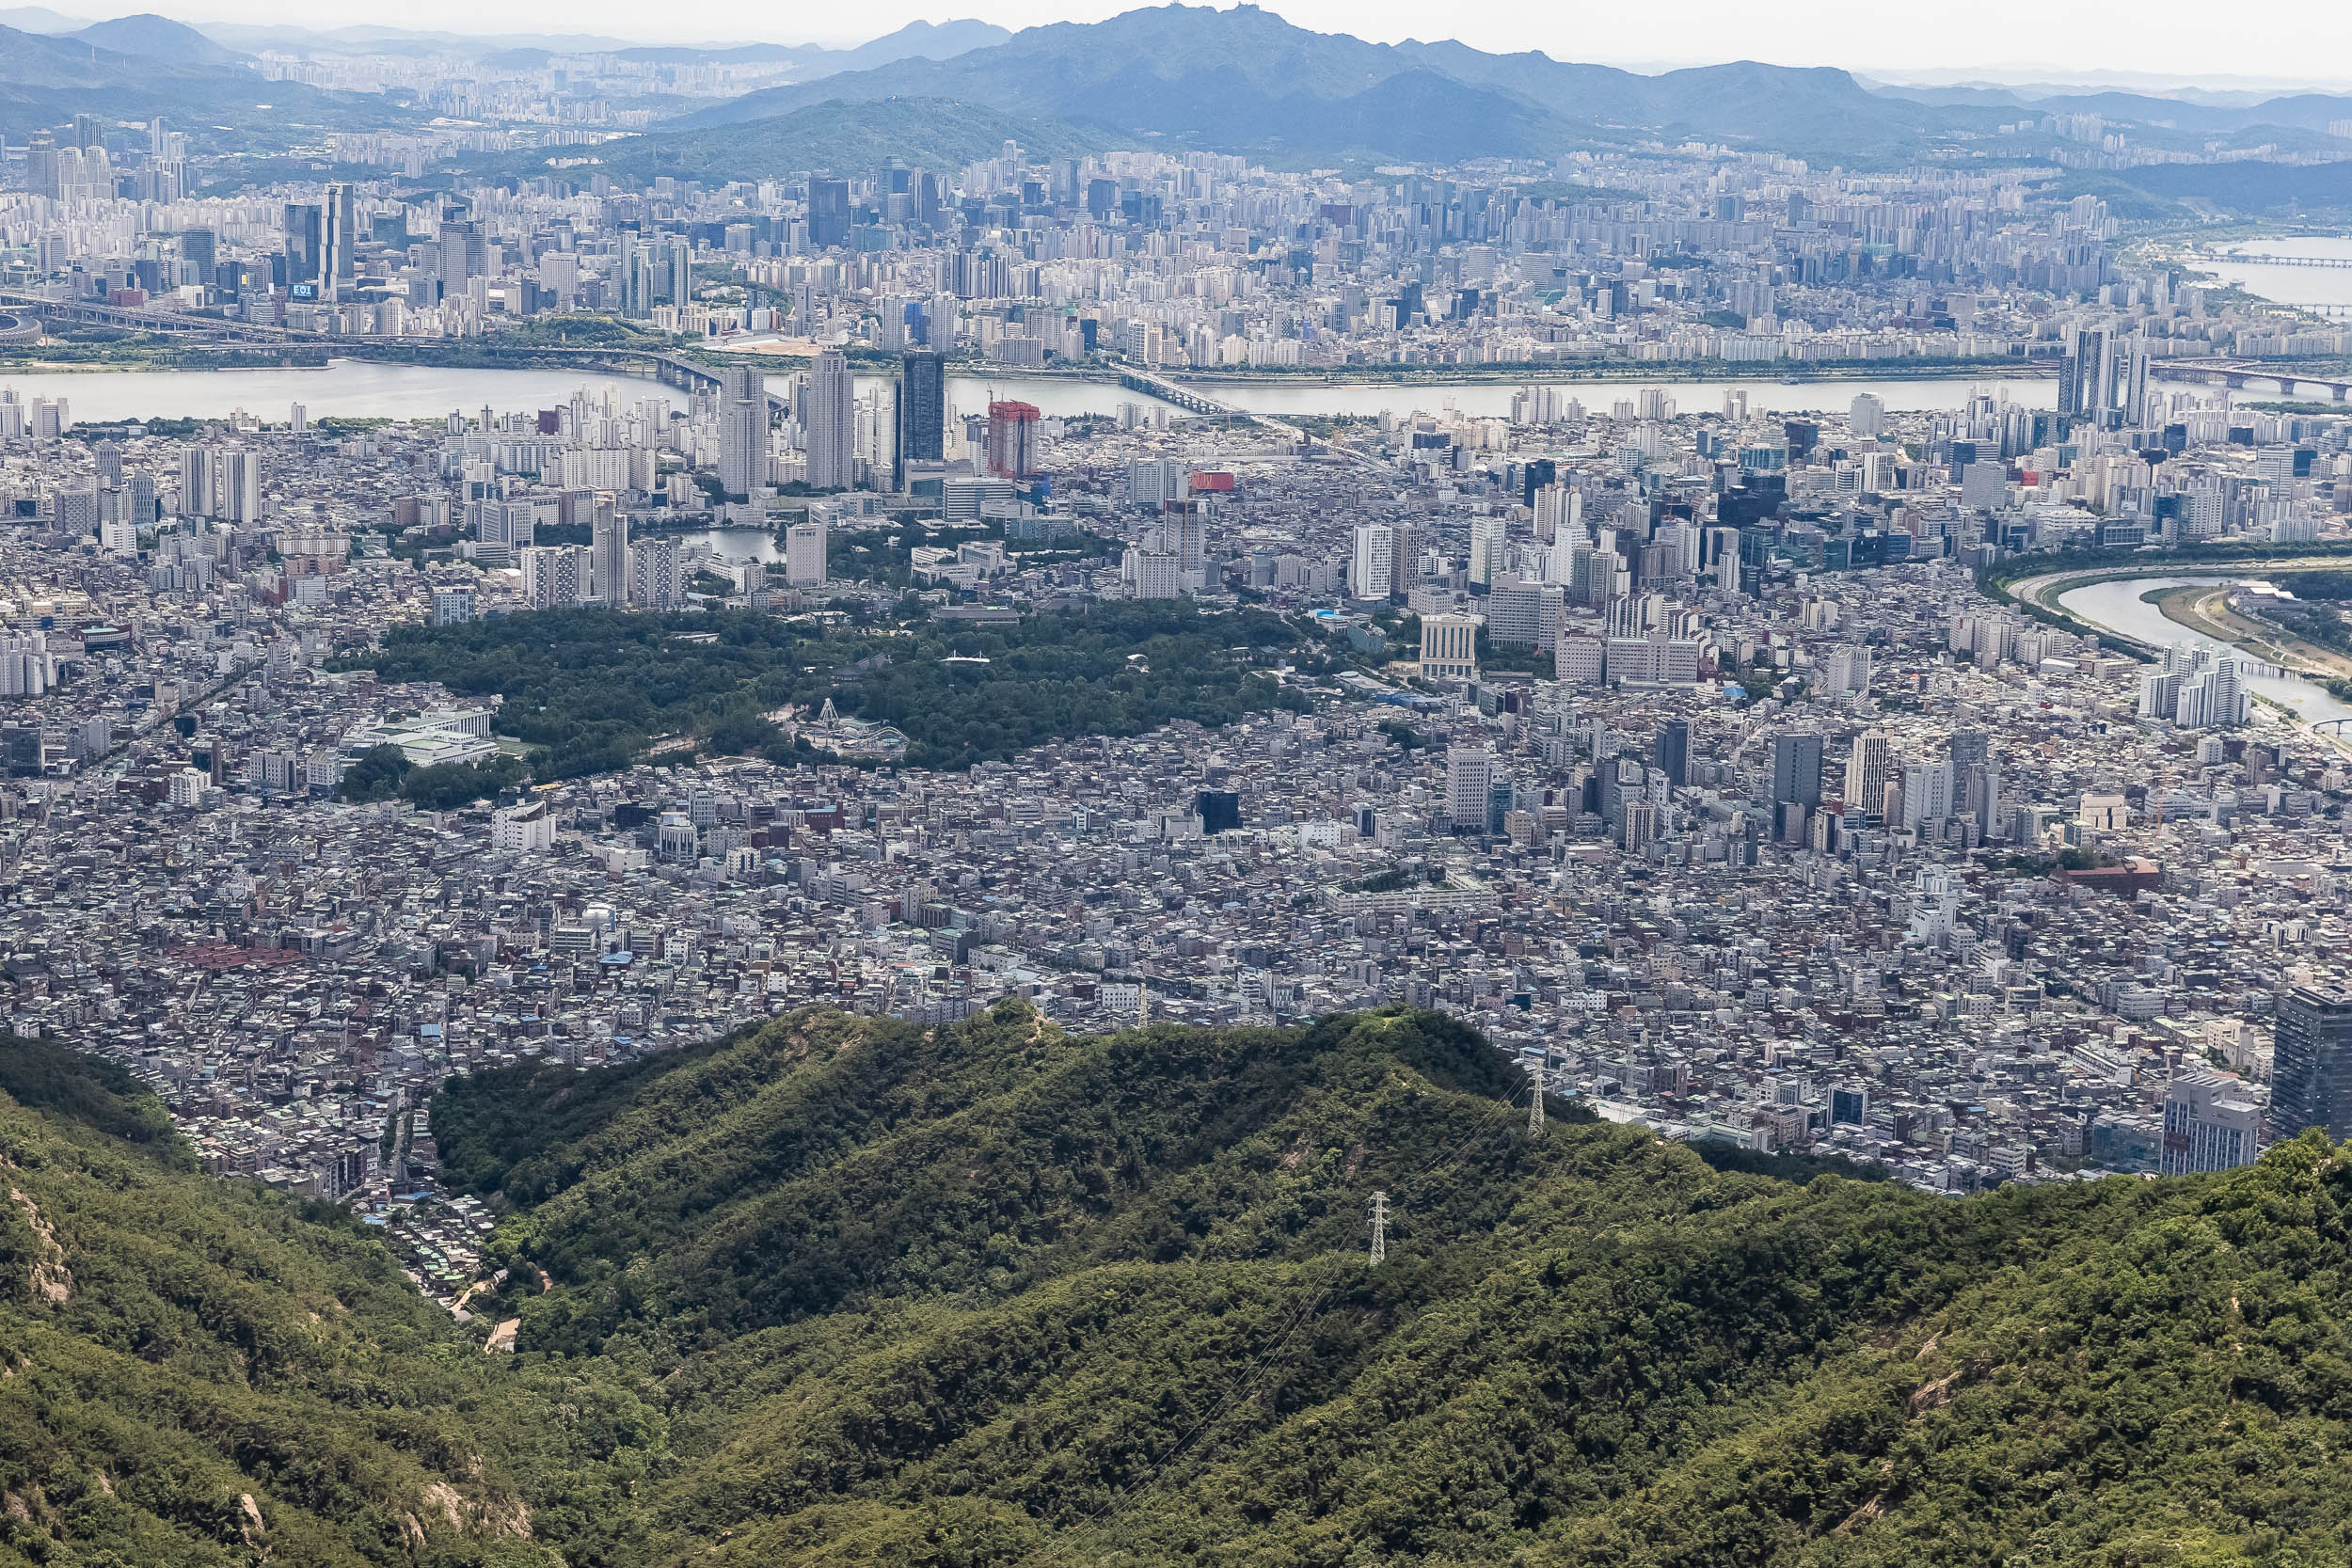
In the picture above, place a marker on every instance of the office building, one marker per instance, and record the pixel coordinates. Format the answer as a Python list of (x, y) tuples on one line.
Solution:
[(1670, 751), (1866, 775), (922, 410), (338, 238), (1448, 647), (1470, 773), (1927, 796), (805, 553), (2210, 1123), (2311, 1076), (1797, 770), (301, 246)]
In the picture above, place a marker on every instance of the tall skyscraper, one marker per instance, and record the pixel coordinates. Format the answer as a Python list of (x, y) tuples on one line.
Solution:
[(1797, 770), (1469, 780), (1927, 796), (830, 423), (1866, 775), (609, 550), (198, 477), (338, 240), (1370, 571), (922, 410), (1012, 439), (1671, 752), (240, 497), (828, 212), (742, 431), (2311, 1077), (302, 244)]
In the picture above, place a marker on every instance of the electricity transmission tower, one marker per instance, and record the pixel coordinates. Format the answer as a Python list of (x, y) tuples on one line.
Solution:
[(1379, 1226), (1535, 1102)]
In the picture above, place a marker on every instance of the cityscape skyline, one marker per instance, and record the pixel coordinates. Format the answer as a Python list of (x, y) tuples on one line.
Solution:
[(1169, 790)]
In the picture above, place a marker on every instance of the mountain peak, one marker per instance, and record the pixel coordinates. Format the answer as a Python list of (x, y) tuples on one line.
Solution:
[(147, 36)]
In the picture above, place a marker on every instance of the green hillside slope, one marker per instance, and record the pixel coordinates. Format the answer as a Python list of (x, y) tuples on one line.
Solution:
[(192, 1373), (994, 1295), (838, 1291)]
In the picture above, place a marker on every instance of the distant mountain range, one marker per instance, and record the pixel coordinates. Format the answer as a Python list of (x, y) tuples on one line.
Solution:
[(1244, 80), (158, 37), (928, 133), (139, 67), (1241, 79)]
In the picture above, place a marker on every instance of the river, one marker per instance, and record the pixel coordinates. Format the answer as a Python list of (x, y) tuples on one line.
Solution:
[(1493, 399), (732, 544), (2118, 608), (361, 389), (364, 388), (2320, 287)]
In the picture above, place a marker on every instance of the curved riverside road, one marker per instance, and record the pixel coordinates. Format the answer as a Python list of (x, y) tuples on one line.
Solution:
[(2115, 606)]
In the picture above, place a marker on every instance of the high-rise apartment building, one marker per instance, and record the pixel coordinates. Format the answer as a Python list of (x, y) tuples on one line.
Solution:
[(655, 576), (608, 555), (1012, 439), (830, 423), (742, 431), (1486, 551), (552, 576), (1372, 569)]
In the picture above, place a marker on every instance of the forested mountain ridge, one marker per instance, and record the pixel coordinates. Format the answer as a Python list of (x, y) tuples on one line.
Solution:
[(843, 1290), (192, 1372), (990, 1294)]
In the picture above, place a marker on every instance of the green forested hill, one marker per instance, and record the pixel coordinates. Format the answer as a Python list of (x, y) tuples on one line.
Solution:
[(993, 1296), (850, 1291), (193, 1373)]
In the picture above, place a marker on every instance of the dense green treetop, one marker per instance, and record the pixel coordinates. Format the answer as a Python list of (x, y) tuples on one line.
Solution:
[(592, 687)]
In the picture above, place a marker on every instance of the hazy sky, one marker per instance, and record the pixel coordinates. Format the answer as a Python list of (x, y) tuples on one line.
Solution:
[(2292, 41)]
